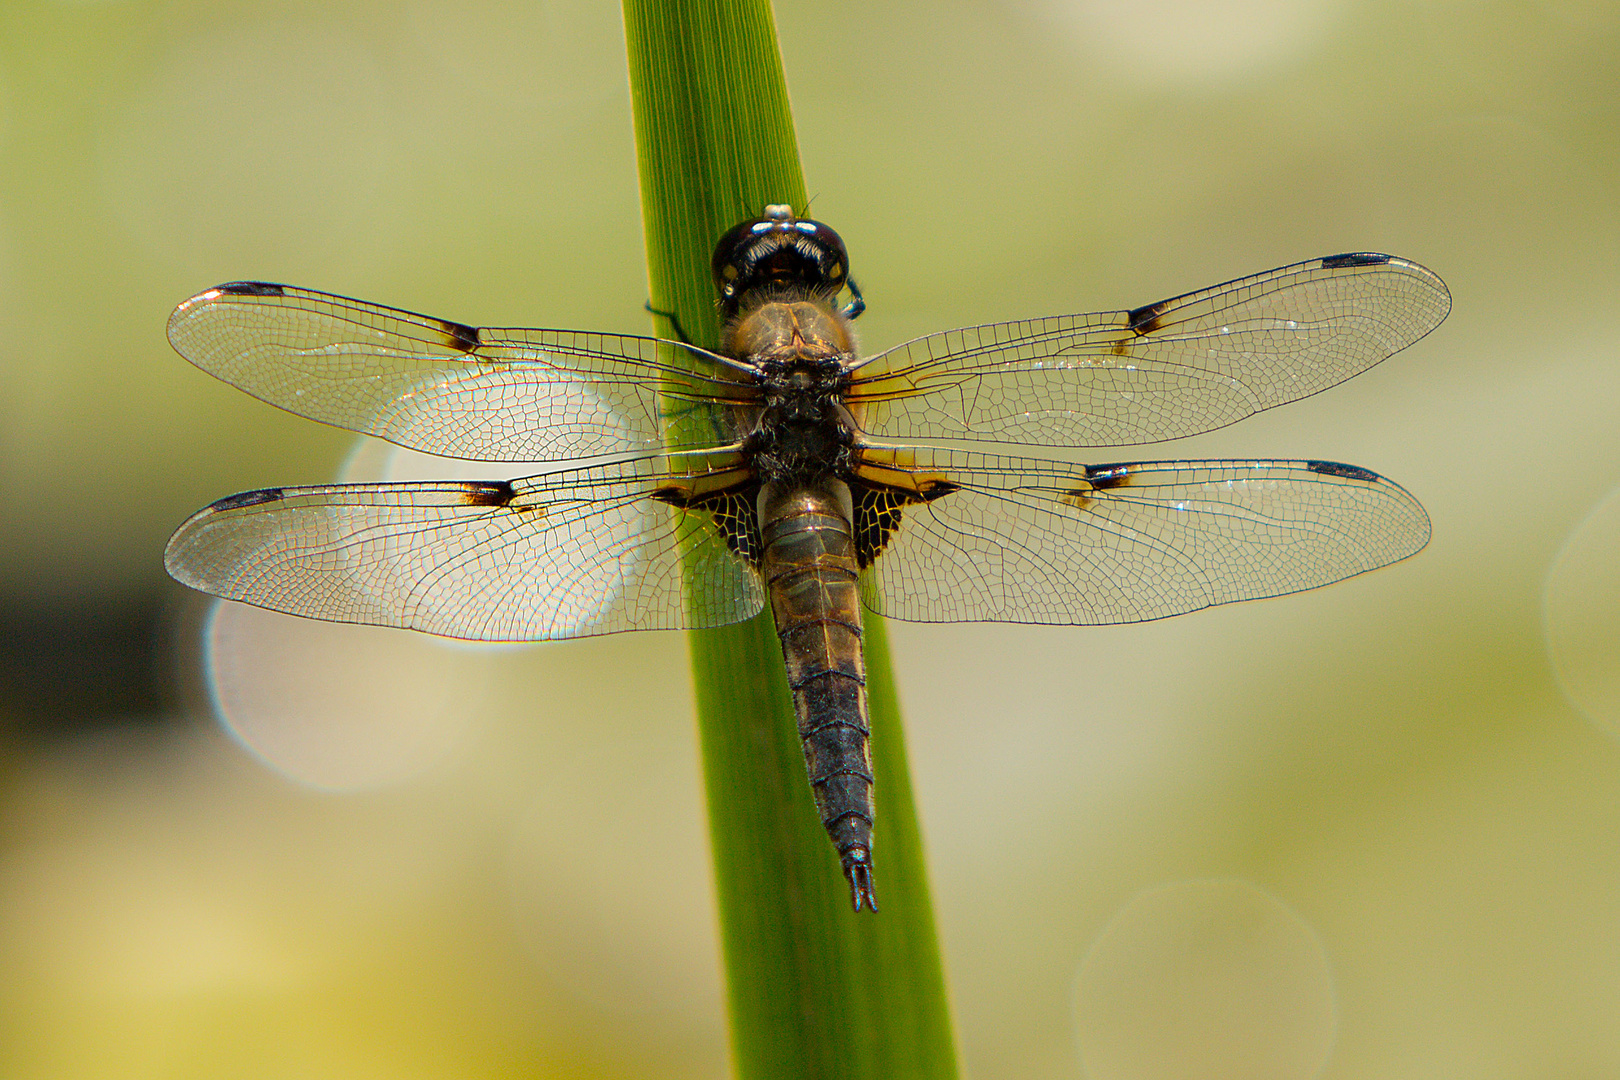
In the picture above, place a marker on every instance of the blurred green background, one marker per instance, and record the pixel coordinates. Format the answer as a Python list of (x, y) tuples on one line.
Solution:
[(1399, 797)]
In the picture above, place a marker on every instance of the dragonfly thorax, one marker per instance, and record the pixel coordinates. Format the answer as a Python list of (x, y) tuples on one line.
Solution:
[(804, 432), (789, 330), (801, 350)]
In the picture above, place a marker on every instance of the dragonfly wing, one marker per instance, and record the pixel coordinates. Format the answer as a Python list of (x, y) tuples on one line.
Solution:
[(444, 387), (1181, 366), (567, 554), (976, 538)]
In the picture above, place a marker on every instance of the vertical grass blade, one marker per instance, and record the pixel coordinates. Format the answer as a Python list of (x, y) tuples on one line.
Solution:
[(814, 989)]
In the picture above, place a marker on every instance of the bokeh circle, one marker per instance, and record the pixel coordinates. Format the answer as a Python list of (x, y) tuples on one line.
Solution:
[(1214, 979), (1581, 615)]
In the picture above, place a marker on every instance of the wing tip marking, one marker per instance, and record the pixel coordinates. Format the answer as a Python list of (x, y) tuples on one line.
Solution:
[(251, 288), (1356, 258), (1346, 472), (244, 499)]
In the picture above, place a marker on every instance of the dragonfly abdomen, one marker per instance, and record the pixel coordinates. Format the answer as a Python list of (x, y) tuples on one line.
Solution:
[(810, 570)]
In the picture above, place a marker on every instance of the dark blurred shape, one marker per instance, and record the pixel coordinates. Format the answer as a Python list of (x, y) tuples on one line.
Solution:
[(70, 667)]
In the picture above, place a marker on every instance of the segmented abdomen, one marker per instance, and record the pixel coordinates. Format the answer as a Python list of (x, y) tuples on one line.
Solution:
[(808, 560)]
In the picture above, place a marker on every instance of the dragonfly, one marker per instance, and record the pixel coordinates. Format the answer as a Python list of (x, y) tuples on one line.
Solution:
[(686, 487)]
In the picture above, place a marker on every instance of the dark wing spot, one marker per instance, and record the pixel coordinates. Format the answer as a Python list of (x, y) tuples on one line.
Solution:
[(1104, 477), (1145, 320), (1349, 472), (879, 510), (252, 288), (246, 498), (459, 336), (736, 518), (1098, 478), (491, 493), (732, 510), (877, 516), (1354, 258)]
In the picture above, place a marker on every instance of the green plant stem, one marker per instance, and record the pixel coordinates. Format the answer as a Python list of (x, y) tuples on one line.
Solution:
[(815, 990)]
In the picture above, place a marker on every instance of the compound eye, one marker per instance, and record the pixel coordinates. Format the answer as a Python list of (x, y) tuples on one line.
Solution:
[(779, 251), (834, 259), (730, 249)]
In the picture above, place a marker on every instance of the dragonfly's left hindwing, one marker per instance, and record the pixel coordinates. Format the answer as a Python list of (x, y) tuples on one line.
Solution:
[(567, 554)]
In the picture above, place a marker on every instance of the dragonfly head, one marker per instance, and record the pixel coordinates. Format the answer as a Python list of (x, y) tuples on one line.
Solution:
[(778, 254)]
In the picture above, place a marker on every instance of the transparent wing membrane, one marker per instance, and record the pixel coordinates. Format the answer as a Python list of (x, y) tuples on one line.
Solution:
[(443, 387), (1021, 540), (948, 535), (1182, 366), (568, 554)]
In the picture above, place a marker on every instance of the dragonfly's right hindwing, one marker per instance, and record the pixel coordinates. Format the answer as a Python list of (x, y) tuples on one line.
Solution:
[(1004, 539)]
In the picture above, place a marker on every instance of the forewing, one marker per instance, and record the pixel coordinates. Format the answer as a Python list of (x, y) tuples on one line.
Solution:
[(999, 539), (1181, 366), (568, 554), (444, 387)]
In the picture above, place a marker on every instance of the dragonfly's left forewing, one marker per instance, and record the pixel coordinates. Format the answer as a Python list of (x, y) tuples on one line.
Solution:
[(567, 554), (451, 389), (978, 538)]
